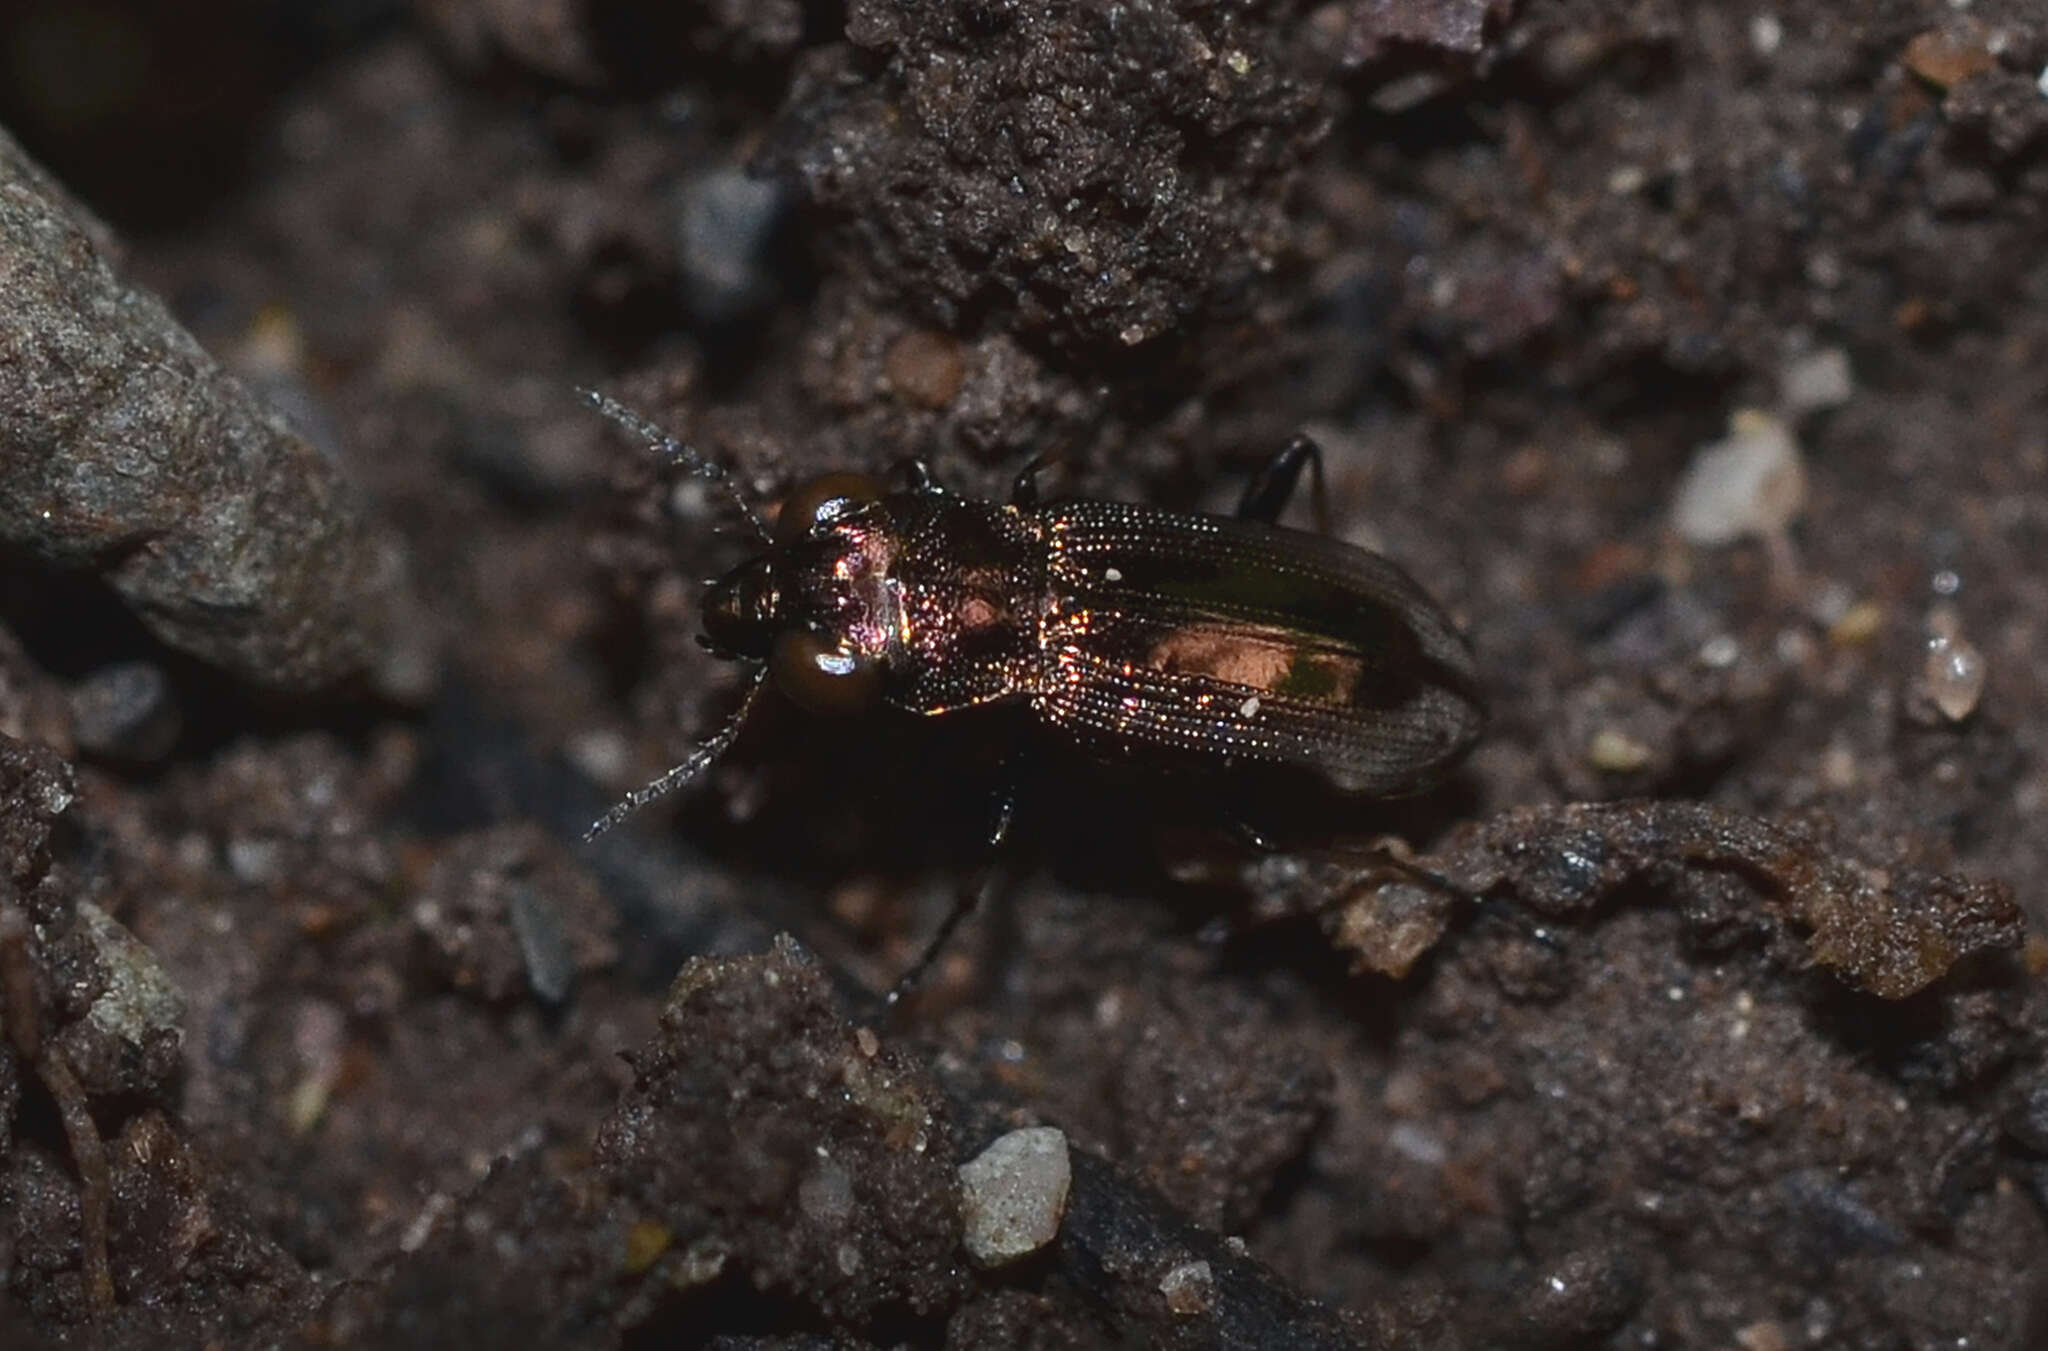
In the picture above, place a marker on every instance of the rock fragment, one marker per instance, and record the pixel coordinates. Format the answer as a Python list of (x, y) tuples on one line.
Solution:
[(125, 449), (1013, 1194), (1751, 485)]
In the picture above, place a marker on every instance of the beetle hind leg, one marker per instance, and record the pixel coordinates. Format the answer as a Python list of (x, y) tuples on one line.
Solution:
[(1024, 492), (1272, 487)]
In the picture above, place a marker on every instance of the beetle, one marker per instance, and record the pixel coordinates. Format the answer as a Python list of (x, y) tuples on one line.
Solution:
[(1180, 639)]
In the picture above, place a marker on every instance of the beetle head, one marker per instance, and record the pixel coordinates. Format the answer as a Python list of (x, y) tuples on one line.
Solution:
[(742, 610)]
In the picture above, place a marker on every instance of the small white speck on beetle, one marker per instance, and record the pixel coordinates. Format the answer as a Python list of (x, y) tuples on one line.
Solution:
[(1249, 708), (1112, 575)]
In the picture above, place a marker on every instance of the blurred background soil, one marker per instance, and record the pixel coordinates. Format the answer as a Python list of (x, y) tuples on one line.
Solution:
[(1692, 355)]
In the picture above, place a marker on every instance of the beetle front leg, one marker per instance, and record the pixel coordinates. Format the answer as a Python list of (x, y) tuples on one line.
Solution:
[(1272, 487)]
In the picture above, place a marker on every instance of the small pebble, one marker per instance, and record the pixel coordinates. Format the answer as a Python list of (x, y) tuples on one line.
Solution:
[(725, 226), (1013, 1194), (1766, 1336), (701, 1263), (140, 1000), (1817, 381), (1612, 751), (925, 368), (1188, 1288), (646, 1241), (1720, 652), (1838, 768), (255, 861), (1946, 59), (422, 1227), (319, 1045), (125, 712), (544, 945), (1751, 484), (1953, 675), (1859, 624)]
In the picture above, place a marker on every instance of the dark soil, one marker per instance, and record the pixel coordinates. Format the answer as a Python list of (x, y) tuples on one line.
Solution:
[(330, 615)]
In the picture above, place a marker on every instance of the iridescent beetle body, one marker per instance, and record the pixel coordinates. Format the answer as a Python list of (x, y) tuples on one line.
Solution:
[(1168, 636), (1187, 641), (1183, 640)]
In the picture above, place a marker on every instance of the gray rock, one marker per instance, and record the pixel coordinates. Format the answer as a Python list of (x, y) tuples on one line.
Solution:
[(1013, 1194)]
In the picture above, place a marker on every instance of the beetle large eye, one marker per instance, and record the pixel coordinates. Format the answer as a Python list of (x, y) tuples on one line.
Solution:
[(825, 498), (822, 677)]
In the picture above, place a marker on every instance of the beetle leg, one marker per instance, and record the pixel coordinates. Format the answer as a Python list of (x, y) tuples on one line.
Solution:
[(1024, 487), (1250, 836), (965, 902), (1272, 487), (916, 474)]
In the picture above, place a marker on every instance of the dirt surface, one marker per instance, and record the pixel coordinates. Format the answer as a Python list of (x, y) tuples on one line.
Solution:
[(1691, 355)]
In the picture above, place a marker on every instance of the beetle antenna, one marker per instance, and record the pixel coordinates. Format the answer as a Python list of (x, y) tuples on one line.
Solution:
[(680, 774), (678, 453)]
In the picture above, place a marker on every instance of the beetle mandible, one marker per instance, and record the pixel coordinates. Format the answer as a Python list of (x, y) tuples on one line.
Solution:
[(1177, 638)]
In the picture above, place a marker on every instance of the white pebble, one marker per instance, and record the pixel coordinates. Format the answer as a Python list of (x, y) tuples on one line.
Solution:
[(1752, 484), (1013, 1194), (1817, 381), (255, 860), (1954, 675), (1721, 651)]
